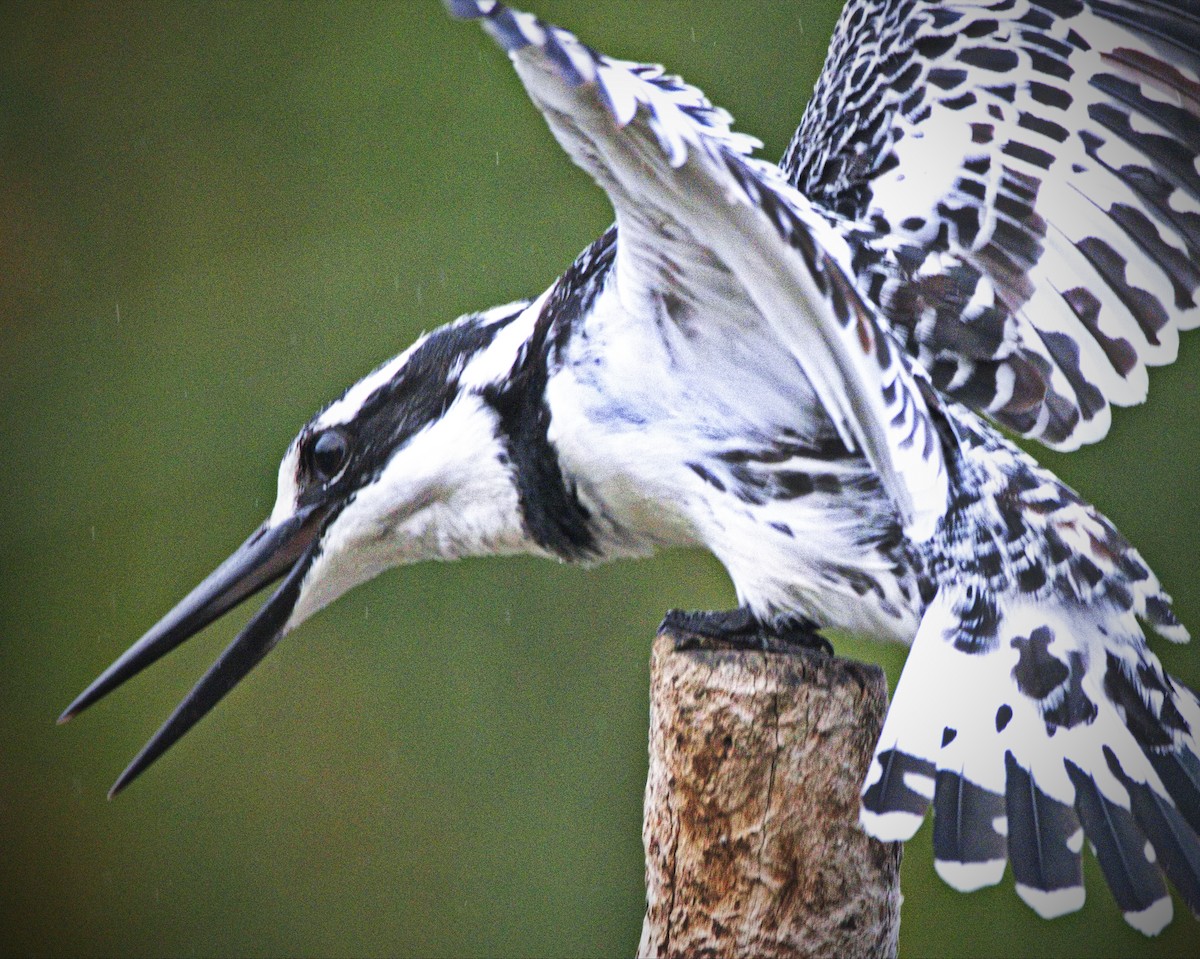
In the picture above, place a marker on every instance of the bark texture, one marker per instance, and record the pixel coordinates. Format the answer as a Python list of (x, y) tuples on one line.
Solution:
[(751, 820)]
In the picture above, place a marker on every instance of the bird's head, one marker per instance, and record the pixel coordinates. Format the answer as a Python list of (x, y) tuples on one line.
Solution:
[(410, 463)]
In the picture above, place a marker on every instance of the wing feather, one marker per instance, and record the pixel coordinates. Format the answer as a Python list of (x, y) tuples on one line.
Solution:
[(1048, 152), (678, 175)]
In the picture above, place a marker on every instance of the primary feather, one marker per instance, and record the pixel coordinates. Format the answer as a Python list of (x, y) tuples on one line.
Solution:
[(1018, 181)]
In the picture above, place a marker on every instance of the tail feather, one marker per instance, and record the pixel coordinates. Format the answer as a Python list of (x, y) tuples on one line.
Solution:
[(970, 825), (1124, 854), (1180, 774), (1179, 770), (1061, 726), (969, 848), (901, 781), (1044, 842), (1173, 839)]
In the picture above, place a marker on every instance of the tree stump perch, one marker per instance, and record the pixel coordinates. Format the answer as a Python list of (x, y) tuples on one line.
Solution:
[(751, 831)]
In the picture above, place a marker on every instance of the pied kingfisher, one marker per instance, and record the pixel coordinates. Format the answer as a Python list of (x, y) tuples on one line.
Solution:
[(990, 212)]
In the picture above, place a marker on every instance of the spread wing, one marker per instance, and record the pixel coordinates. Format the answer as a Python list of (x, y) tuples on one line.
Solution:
[(1020, 184), (696, 213)]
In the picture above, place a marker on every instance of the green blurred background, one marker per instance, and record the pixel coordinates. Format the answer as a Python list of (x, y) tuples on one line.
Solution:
[(213, 217)]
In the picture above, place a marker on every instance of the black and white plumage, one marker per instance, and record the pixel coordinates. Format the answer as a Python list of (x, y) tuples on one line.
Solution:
[(1019, 184), (785, 366)]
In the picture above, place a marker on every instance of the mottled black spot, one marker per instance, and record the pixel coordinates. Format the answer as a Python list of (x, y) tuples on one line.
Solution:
[(1151, 679), (980, 28), (1085, 571), (1047, 42), (1057, 550), (1031, 578), (1003, 717), (1005, 91), (1023, 151), (965, 220), (1024, 185), (994, 59), (1025, 481), (707, 475), (1159, 611), (978, 165), (942, 17), (1014, 525), (978, 619), (1122, 689), (747, 486), (1118, 594), (906, 78), (932, 47), (859, 581), (947, 79), (1037, 19), (1077, 41), (782, 528), (1074, 707), (1050, 65), (972, 188), (1047, 128), (990, 561), (793, 483), (1049, 96), (960, 102), (1020, 211), (1063, 9), (948, 736)]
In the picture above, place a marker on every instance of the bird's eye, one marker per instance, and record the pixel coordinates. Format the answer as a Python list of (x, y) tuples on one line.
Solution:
[(328, 455)]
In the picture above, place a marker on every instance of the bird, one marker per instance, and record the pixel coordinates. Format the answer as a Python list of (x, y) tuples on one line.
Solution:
[(986, 226)]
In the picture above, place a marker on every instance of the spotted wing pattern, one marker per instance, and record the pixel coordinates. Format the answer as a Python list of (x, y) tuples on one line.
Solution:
[(668, 159), (1020, 183), (1031, 712)]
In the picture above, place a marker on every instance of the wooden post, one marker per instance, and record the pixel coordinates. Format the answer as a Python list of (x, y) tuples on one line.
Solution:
[(751, 820)]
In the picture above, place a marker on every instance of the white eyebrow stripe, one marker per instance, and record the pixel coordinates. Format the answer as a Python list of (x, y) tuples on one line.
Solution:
[(344, 409)]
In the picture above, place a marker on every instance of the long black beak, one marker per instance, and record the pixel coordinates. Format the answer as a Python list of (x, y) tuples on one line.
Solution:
[(271, 552)]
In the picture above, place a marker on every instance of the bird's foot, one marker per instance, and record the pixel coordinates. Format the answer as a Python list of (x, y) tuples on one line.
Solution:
[(740, 629)]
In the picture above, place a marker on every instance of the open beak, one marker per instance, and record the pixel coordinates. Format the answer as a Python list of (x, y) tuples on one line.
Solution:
[(286, 549)]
